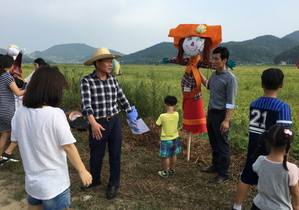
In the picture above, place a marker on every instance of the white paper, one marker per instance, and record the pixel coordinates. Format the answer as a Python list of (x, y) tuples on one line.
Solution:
[(141, 125)]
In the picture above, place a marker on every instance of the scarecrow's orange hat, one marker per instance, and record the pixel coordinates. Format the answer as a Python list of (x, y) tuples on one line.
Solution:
[(201, 30)]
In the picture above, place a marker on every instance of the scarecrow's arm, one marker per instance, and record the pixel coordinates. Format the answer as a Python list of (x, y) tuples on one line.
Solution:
[(185, 62)]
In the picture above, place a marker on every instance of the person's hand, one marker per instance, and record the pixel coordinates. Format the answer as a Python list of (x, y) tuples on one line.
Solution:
[(230, 64), (97, 131), (224, 126), (132, 116), (85, 177)]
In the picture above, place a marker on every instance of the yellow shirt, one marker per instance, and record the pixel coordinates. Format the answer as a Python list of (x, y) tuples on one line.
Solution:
[(169, 124)]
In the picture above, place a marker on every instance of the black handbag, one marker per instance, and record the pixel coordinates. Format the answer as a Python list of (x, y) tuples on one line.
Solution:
[(19, 82)]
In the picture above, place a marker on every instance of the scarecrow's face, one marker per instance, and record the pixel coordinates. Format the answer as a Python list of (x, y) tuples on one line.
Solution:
[(193, 45)]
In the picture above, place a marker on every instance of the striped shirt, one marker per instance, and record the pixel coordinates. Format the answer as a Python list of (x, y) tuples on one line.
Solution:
[(7, 102), (100, 97), (265, 112)]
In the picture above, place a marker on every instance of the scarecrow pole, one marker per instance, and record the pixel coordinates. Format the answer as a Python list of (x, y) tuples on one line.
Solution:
[(189, 146)]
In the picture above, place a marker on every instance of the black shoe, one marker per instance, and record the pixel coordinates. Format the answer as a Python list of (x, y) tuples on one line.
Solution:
[(90, 186), (10, 157), (211, 169), (218, 179), (111, 192), (2, 162)]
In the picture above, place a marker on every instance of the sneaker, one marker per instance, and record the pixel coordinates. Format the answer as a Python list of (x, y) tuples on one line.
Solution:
[(163, 174), (171, 172), (8, 157), (2, 162)]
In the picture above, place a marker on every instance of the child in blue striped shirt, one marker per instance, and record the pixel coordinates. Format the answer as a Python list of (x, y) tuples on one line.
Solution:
[(264, 112)]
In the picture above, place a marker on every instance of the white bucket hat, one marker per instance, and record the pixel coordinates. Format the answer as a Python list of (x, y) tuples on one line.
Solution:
[(100, 53)]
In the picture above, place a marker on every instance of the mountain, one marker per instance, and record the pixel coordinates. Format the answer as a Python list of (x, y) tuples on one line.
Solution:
[(294, 35), (290, 56), (67, 53), (151, 55), (259, 50), (2, 51), (262, 50)]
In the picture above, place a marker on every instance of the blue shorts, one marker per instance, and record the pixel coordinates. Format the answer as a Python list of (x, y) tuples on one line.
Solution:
[(248, 176), (170, 147), (61, 201)]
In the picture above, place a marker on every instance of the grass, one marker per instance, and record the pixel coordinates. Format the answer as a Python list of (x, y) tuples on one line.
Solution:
[(141, 187)]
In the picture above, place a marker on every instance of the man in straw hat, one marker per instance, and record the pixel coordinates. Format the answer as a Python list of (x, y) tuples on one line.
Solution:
[(100, 92)]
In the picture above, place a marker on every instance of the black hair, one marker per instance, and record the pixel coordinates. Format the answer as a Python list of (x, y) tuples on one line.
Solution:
[(6, 61), (45, 88), (94, 63), (40, 62), (224, 53), (277, 137), (272, 78), (170, 100)]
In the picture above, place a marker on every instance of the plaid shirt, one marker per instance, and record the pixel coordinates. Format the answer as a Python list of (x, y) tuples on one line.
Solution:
[(100, 98), (188, 81)]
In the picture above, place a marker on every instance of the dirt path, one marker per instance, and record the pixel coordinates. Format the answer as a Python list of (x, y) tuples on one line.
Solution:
[(7, 203)]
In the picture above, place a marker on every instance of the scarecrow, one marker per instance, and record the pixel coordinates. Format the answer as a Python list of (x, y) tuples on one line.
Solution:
[(196, 41), (17, 54)]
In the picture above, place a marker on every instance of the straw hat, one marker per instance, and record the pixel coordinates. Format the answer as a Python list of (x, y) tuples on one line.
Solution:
[(100, 53)]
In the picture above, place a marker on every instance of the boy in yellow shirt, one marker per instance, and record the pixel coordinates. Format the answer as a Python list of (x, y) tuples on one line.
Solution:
[(170, 144)]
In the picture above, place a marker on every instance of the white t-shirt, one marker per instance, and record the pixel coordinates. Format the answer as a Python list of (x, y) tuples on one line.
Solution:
[(28, 78), (40, 133), (273, 184)]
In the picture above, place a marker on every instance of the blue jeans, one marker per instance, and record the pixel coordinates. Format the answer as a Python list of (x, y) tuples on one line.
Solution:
[(61, 201)]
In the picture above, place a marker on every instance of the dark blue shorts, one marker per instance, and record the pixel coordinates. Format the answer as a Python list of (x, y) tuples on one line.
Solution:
[(248, 176)]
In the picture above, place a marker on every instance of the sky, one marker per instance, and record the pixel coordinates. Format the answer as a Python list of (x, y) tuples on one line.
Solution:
[(128, 26)]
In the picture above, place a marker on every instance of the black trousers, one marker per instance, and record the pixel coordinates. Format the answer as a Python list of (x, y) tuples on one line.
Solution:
[(111, 136), (219, 142)]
